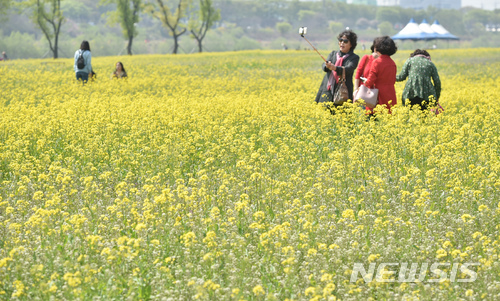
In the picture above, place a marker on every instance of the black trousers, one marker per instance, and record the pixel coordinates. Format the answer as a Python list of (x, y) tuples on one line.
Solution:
[(423, 103)]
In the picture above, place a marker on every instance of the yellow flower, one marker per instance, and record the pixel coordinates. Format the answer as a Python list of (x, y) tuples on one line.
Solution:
[(288, 261), (373, 257), (466, 217), (348, 213), (447, 244), (188, 238), (310, 291), (53, 288), (311, 252), (259, 215), (476, 234), (326, 277), (441, 253), (4, 261), (19, 289), (73, 280), (235, 292), (258, 290), (209, 284), (140, 226), (328, 290)]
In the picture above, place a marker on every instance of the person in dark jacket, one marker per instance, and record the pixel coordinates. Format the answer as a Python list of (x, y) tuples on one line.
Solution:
[(336, 62), (423, 79)]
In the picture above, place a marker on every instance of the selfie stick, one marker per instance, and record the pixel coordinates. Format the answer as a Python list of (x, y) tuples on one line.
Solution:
[(302, 32)]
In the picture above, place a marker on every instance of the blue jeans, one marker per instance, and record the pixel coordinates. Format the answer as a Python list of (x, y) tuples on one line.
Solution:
[(84, 76)]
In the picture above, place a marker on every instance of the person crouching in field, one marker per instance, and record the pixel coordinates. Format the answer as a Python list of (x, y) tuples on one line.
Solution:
[(119, 71)]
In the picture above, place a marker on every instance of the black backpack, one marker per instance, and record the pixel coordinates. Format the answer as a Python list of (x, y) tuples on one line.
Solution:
[(80, 62)]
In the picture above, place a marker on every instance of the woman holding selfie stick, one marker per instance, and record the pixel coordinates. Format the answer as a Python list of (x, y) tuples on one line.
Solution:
[(336, 62)]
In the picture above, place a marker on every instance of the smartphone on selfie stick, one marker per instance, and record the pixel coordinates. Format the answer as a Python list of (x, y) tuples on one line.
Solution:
[(302, 32)]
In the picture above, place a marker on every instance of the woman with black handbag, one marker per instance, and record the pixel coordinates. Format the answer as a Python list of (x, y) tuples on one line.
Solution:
[(338, 62)]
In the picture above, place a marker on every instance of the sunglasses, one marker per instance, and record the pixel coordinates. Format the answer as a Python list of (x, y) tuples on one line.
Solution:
[(344, 40)]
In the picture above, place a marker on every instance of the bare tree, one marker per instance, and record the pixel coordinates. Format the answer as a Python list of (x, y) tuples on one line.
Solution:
[(47, 15), (203, 20), (172, 17), (127, 14)]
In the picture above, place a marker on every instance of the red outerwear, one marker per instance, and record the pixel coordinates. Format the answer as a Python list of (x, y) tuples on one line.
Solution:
[(364, 67), (383, 77)]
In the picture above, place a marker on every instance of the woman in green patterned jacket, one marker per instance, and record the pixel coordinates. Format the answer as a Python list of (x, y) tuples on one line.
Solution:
[(423, 80)]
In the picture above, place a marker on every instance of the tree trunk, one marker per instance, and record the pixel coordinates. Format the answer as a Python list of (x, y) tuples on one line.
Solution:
[(176, 44), (199, 46), (56, 48), (129, 46)]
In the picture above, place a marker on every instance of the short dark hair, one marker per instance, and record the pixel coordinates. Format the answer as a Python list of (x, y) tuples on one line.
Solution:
[(351, 36), (85, 45), (385, 45), (420, 51)]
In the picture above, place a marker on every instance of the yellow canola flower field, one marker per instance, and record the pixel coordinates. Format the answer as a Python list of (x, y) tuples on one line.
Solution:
[(216, 177)]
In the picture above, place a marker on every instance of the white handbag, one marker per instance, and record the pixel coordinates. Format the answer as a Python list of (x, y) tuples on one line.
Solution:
[(370, 96)]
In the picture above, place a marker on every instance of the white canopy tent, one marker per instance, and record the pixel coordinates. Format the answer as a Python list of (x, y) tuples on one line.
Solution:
[(426, 28), (411, 32), (423, 31), (443, 33)]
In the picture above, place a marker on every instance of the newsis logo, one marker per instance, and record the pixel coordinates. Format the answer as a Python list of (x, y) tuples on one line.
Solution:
[(403, 272)]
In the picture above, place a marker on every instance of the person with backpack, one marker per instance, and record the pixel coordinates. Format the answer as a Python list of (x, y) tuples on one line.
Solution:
[(83, 64)]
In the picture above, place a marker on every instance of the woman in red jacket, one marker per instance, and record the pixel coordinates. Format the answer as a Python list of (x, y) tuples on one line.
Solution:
[(364, 67), (383, 72)]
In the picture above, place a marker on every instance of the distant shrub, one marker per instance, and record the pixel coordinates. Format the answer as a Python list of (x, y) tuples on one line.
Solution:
[(22, 45), (246, 43), (283, 27)]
